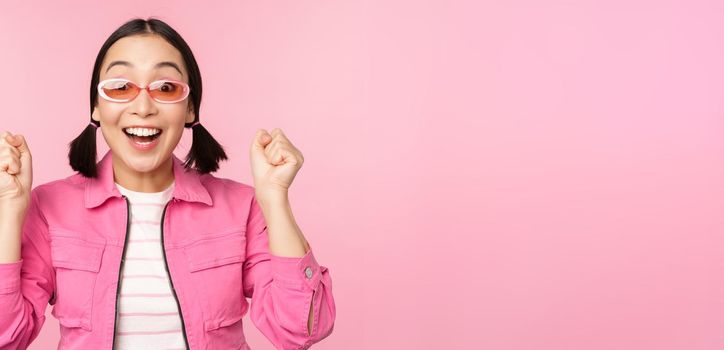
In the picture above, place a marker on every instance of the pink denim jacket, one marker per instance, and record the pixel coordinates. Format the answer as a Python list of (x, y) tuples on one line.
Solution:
[(216, 248)]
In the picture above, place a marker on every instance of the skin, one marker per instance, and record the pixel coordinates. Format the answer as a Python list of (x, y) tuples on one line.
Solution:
[(275, 161)]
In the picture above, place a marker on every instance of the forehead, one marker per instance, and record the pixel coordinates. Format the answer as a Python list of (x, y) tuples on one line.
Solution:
[(143, 53)]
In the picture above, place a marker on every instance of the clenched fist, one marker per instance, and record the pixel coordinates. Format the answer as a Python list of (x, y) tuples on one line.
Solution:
[(16, 172), (275, 162)]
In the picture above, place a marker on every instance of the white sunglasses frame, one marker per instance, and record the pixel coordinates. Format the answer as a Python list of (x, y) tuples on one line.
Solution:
[(102, 93)]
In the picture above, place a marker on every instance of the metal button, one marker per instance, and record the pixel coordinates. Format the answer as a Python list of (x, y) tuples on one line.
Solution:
[(308, 272)]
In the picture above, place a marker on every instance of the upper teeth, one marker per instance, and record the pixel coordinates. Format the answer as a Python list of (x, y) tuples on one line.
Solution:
[(142, 131)]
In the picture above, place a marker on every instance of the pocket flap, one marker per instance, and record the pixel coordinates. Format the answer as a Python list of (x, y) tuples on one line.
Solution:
[(212, 252), (211, 325), (77, 254), (71, 322)]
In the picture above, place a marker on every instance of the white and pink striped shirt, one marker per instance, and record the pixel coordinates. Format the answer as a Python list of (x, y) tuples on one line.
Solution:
[(148, 315)]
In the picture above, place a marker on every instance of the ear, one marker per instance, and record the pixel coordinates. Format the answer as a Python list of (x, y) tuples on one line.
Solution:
[(96, 114), (190, 114)]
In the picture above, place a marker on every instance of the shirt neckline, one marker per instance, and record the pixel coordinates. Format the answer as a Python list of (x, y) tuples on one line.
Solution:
[(147, 195)]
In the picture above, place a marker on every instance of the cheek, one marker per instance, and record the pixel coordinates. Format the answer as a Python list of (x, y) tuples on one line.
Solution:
[(110, 114), (173, 136), (176, 116), (172, 113)]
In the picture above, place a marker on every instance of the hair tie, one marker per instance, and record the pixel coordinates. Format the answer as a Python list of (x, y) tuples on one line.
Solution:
[(194, 124), (93, 124)]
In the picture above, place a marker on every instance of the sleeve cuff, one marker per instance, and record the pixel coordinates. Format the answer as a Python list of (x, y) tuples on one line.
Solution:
[(297, 271), (10, 277)]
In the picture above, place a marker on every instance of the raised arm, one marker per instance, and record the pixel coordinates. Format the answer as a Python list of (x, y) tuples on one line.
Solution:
[(26, 276), (286, 292)]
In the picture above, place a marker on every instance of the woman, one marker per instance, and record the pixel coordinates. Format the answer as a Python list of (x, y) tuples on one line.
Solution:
[(141, 250)]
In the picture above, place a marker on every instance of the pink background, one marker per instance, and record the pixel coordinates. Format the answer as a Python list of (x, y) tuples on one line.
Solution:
[(478, 174)]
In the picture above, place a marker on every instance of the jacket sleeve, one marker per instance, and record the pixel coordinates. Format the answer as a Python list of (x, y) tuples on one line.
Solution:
[(282, 288), (27, 285)]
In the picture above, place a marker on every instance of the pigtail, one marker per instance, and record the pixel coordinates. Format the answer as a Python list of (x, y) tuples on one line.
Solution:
[(82, 153), (205, 153)]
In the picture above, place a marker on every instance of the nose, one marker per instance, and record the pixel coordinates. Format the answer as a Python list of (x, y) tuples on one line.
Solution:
[(143, 104)]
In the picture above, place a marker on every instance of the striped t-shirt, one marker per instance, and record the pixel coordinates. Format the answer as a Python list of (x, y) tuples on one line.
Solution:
[(147, 313)]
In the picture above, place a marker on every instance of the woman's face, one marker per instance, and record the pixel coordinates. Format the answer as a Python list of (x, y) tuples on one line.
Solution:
[(143, 59)]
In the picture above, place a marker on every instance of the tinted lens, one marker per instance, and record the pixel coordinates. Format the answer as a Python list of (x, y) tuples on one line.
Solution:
[(165, 90), (120, 90)]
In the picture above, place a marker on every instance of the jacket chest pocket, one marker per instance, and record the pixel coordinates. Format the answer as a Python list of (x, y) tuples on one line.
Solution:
[(215, 266), (77, 263)]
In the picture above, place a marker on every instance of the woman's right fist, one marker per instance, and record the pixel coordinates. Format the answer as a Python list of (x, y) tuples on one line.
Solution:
[(16, 171)]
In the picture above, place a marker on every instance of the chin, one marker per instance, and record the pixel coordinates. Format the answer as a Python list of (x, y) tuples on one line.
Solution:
[(143, 167), (143, 162)]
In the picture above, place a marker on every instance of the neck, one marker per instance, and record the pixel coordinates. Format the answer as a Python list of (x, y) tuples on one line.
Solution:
[(155, 180)]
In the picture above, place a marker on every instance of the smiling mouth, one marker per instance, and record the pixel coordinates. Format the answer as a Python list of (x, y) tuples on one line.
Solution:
[(143, 138)]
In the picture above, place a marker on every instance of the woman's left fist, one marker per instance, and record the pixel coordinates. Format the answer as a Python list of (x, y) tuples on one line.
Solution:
[(274, 163)]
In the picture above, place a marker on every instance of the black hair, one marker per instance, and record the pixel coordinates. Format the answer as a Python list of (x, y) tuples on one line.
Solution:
[(205, 153)]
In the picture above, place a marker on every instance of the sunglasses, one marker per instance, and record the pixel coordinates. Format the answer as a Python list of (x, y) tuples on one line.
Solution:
[(124, 90)]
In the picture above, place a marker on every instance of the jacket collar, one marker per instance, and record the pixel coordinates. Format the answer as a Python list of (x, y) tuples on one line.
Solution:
[(188, 186)]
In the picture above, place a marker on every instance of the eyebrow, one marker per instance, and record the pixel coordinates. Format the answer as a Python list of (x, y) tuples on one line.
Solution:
[(158, 65)]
